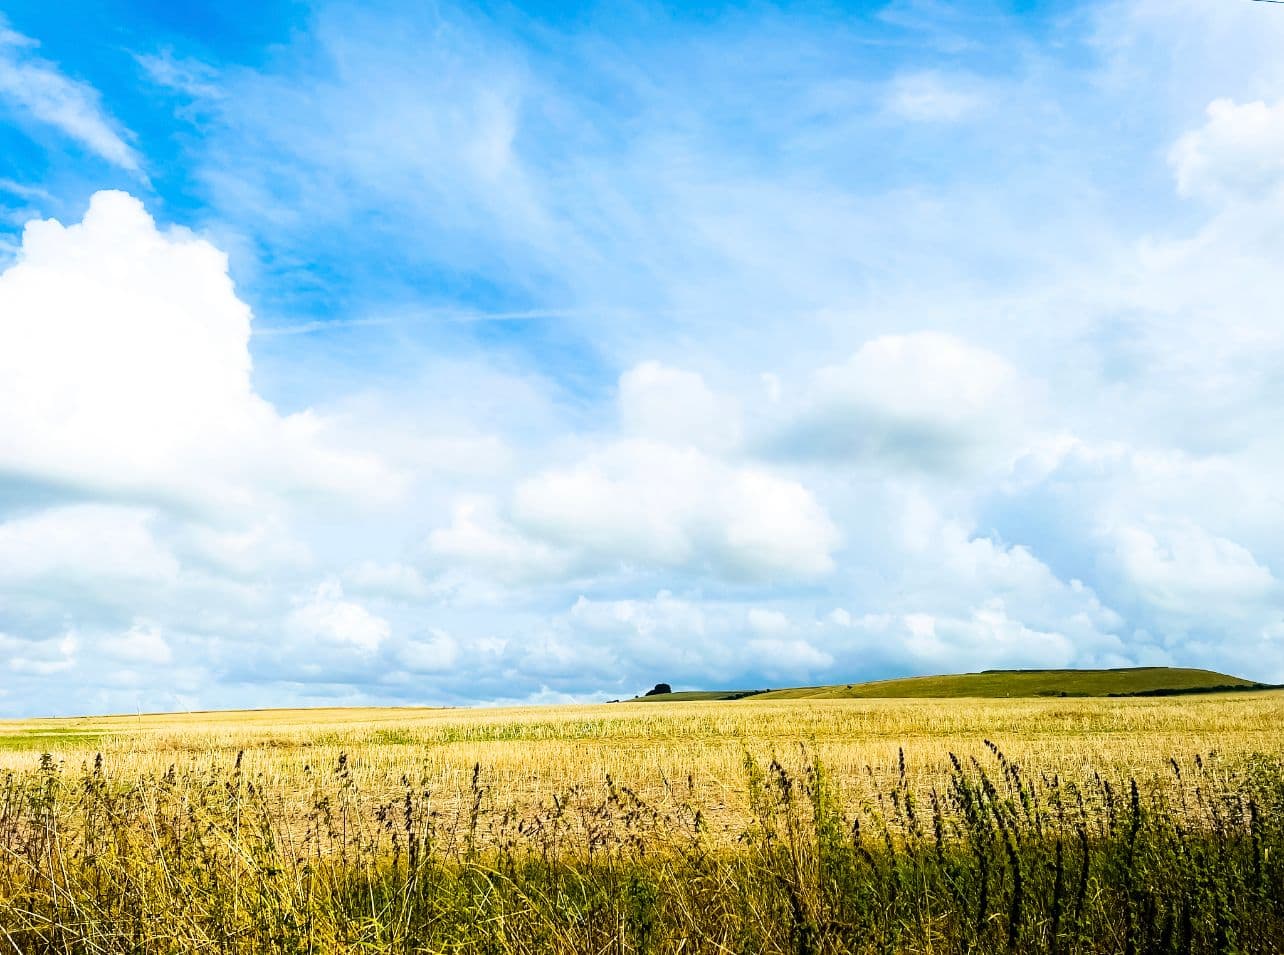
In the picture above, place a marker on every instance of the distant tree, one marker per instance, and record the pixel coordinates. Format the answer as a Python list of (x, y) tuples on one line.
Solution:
[(659, 688)]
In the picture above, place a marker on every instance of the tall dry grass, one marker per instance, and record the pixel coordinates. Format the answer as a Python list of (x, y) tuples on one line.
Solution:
[(1090, 826)]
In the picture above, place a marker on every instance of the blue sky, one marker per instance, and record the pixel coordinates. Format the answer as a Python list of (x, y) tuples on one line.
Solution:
[(455, 354)]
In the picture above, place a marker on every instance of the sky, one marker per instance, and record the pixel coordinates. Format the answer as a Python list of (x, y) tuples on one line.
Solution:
[(391, 352)]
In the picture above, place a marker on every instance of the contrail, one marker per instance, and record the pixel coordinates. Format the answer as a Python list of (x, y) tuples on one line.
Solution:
[(305, 328)]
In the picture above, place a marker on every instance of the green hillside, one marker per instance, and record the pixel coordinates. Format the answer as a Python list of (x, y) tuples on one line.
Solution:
[(1131, 681), (684, 696)]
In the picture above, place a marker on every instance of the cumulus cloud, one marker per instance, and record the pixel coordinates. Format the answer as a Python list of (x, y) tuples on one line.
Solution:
[(326, 617), (1238, 154), (695, 642), (982, 585), (391, 579), (37, 88), (647, 505), (244, 551), (988, 637), (677, 407), (433, 652), (84, 542), (124, 366), (663, 615), (668, 495), (39, 657), (778, 658), (1179, 566), (966, 631), (642, 507), (767, 622), (142, 643), (688, 641), (927, 401), (479, 537)]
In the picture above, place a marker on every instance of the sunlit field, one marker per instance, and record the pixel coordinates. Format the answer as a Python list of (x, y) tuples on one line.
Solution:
[(802, 826), (527, 755)]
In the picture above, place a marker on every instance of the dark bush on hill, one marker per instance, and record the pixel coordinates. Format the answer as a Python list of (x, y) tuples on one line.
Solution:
[(659, 689)]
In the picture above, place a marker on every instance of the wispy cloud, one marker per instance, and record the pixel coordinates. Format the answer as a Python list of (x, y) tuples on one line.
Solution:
[(185, 75), (418, 316), (23, 191), (935, 97), (36, 87)]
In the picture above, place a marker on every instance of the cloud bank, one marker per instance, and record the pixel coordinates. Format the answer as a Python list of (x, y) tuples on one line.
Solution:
[(645, 355)]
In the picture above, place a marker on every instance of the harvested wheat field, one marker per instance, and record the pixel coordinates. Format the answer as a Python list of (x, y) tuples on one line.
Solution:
[(799, 825)]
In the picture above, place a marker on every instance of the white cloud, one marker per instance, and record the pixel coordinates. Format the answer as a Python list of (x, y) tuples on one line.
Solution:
[(677, 407), (23, 191), (926, 376), (650, 505), (142, 643), (327, 618), (247, 551), (701, 642), (662, 497), (183, 75), (662, 615), (84, 541), (37, 87), (989, 637), (1179, 566), (39, 657), (478, 537), (662, 638), (433, 652), (1237, 154), (767, 622), (926, 400), (124, 365), (783, 658), (392, 579)]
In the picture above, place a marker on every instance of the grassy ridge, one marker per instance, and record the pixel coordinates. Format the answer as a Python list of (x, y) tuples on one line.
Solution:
[(696, 696), (997, 684), (1005, 683)]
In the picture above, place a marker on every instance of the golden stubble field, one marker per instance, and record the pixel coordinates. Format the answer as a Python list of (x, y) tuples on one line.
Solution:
[(526, 756), (821, 826)]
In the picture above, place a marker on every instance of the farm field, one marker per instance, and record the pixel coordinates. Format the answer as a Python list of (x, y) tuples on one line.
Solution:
[(753, 825), (528, 753)]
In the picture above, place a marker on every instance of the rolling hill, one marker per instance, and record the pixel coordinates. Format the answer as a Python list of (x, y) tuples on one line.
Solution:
[(1129, 681)]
